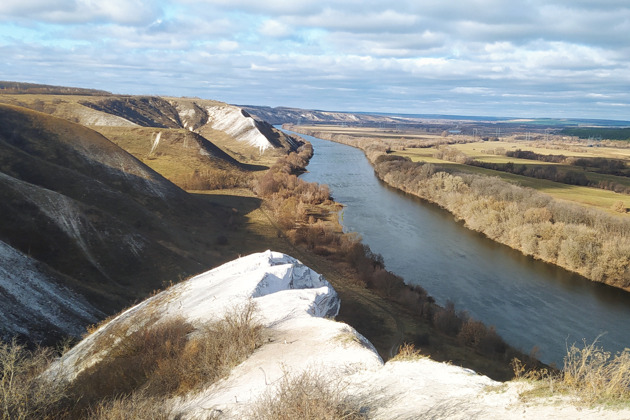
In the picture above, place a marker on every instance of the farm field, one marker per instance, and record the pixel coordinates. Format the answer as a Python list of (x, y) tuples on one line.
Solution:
[(424, 146), (589, 196)]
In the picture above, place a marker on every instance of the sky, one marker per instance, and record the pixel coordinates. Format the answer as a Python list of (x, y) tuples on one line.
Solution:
[(513, 58)]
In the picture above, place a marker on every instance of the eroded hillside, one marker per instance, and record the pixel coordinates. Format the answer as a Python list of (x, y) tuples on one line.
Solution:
[(99, 223)]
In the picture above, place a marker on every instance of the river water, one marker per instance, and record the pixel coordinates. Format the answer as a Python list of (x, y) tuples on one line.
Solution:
[(530, 303)]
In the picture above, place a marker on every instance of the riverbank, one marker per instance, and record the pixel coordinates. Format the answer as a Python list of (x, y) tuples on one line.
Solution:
[(376, 302), (590, 243)]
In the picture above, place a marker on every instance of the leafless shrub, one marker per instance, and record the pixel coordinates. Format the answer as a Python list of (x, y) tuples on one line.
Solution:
[(619, 207), (597, 375), (306, 396), (24, 393), (137, 406), (407, 352), (591, 373), (214, 179), (447, 321), (169, 358)]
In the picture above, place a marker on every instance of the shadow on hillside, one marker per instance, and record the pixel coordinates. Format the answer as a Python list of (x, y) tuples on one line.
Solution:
[(244, 205)]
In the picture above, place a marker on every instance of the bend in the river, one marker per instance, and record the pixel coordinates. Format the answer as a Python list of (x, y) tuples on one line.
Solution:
[(530, 302)]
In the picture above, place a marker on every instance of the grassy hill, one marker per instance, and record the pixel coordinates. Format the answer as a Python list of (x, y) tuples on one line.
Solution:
[(114, 228)]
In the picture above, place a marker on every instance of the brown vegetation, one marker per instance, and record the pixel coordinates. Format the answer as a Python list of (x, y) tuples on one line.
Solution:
[(297, 215), (306, 396), (586, 241), (169, 358), (141, 368), (592, 374), (136, 406), (213, 179), (407, 352), (590, 242), (24, 394)]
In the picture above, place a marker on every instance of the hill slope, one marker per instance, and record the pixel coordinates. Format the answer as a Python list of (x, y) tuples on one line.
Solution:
[(111, 228), (181, 138)]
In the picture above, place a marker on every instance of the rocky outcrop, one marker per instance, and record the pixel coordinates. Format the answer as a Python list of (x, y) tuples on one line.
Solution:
[(240, 125), (190, 114), (295, 305)]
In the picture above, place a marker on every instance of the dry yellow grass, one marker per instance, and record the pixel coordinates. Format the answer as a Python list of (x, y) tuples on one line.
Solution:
[(309, 395), (23, 392), (590, 373), (408, 352)]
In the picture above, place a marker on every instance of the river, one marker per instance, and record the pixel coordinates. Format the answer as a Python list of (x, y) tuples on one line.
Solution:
[(531, 303)]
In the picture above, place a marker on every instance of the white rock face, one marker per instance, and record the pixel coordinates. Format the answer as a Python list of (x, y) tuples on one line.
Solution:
[(289, 296), (88, 116), (230, 119), (293, 304)]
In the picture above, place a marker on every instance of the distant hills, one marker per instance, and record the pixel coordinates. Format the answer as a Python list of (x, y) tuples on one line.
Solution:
[(33, 88), (428, 122)]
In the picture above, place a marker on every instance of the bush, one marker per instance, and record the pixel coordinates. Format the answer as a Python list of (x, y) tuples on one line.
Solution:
[(23, 392), (214, 179), (592, 374), (596, 375), (619, 207), (447, 321), (136, 406), (169, 358), (407, 352), (306, 396)]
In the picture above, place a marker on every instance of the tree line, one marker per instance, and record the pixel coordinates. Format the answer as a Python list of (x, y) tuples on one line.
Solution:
[(548, 172), (586, 241), (296, 207)]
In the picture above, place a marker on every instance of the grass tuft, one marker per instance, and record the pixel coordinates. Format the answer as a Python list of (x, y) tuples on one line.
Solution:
[(306, 396), (592, 374), (597, 375), (137, 406), (408, 352)]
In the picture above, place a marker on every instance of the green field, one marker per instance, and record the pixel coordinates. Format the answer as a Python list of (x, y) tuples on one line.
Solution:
[(589, 196)]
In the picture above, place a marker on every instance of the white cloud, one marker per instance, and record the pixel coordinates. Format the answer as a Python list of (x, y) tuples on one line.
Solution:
[(256, 67), (359, 20), (275, 29), (354, 53), (227, 46), (473, 90), (128, 12)]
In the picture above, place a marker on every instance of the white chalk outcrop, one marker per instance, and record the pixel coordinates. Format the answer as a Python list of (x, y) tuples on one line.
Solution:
[(295, 305), (235, 122)]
